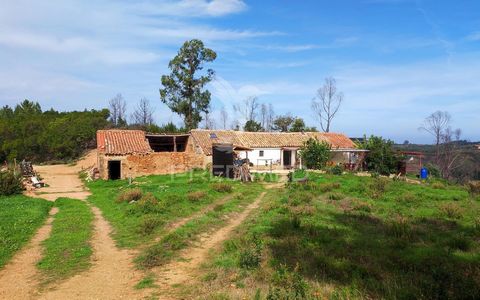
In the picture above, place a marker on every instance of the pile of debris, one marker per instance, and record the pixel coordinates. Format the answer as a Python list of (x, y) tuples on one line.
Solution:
[(241, 170), (30, 177)]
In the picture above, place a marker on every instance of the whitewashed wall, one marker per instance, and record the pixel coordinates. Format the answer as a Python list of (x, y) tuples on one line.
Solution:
[(269, 153)]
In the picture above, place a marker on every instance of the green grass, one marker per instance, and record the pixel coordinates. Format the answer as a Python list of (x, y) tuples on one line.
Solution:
[(172, 193), (374, 239), (20, 217), (167, 248), (67, 251), (147, 282)]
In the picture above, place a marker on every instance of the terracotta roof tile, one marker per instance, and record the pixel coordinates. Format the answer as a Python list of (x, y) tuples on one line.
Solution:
[(122, 142), (205, 139)]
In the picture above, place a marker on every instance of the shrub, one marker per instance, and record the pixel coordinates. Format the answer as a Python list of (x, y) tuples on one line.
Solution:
[(363, 207), (474, 188), (196, 196), (148, 203), (315, 154), (130, 195), (10, 184), (459, 243), (400, 227), (335, 196), (336, 170), (451, 210), (381, 157), (433, 170), (328, 187), (407, 197), (222, 187), (148, 225), (288, 285), (438, 186), (251, 257), (378, 187)]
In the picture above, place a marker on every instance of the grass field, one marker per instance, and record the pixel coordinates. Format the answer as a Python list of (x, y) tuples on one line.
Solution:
[(67, 251), (175, 197), (20, 217), (349, 237)]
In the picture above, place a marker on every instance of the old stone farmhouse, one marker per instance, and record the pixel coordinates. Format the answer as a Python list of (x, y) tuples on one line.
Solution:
[(132, 153)]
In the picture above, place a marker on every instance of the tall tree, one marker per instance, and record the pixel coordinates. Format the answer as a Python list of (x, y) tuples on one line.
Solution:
[(183, 90), (248, 108), (224, 117), (298, 125), (283, 123), (451, 157), (252, 126), (209, 121), (264, 115), (143, 114), (270, 118), (328, 103), (436, 124), (118, 109)]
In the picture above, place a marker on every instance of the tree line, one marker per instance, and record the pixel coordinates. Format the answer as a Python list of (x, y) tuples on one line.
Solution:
[(28, 132)]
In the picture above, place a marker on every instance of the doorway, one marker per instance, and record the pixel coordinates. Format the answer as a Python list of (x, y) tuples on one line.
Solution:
[(114, 169), (287, 158)]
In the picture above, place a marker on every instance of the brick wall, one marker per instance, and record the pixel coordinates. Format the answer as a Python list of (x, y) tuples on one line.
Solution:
[(156, 163)]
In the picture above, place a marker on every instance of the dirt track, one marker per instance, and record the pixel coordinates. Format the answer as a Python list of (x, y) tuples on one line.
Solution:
[(63, 179), (112, 275), (186, 269), (18, 278)]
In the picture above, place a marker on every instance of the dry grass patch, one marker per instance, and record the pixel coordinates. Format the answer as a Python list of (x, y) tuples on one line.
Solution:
[(196, 196), (130, 195), (222, 187)]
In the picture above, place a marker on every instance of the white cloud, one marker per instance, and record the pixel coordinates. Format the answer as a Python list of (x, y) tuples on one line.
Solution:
[(474, 36)]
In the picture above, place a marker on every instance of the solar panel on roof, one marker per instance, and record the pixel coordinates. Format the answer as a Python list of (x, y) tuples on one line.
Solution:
[(213, 135)]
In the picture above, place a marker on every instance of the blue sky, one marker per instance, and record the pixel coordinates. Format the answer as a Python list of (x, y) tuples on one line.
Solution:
[(396, 61)]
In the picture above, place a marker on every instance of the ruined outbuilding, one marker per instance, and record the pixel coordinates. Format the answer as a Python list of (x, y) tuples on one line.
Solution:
[(131, 153)]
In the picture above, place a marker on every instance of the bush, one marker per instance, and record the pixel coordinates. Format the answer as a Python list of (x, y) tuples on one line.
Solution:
[(407, 197), (328, 187), (10, 184), (148, 225), (400, 227), (315, 154), (378, 187), (336, 170), (461, 243), (130, 195), (433, 170), (222, 187), (335, 196), (438, 186), (474, 188), (196, 196), (381, 157), (288, 285), (148, 203), (451, 210)]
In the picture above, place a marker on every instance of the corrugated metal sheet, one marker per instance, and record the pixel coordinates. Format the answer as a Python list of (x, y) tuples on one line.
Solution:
[(122, 142), (205, 139)]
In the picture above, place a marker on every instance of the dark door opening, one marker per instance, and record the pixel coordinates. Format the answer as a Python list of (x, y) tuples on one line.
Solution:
[(114, 169), (287, 158), (222, 160)]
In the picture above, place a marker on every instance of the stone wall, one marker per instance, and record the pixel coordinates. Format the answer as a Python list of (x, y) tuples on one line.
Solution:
[(155, 163)]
